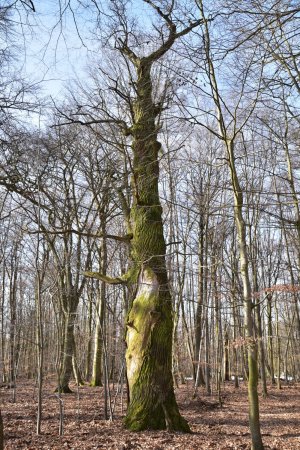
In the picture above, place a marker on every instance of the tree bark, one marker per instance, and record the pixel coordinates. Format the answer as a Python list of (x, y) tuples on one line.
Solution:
[(270, 338), (1, 433), (200, 300), (248, 307), (98, 341), (67, 367), (226, 357), (76, 367), (150, 323)]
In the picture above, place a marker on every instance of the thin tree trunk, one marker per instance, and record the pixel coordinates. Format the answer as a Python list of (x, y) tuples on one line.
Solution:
[(270, 337), (248, 307), (40, 350), (226, 356), (278, 348), (2, 327), (207, 355), (260, 335), (89, 333), (100, 308), (98, 340), (200, 297), (240, 225), (1, 433), (13, 319), (261, 349)]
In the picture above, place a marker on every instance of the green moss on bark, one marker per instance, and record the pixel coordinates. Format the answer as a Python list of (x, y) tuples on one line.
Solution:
[(149, 322), (149, 339)]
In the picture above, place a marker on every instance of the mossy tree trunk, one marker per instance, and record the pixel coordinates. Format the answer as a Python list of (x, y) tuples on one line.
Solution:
[(150, 316), (150, 322)]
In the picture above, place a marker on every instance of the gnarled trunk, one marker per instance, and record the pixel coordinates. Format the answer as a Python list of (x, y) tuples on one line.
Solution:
[(150, 323), (148, 356)]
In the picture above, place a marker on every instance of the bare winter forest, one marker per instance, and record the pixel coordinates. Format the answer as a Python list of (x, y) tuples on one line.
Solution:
[(150, 224)]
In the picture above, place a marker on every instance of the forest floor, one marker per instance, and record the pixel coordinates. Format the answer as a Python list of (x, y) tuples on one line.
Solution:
[(213, 427)]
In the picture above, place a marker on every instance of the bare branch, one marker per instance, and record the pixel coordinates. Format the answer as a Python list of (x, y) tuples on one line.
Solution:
[(126, 238), (105, 278)]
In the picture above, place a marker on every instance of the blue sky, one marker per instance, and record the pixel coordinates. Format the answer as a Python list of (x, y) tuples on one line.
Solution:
[(54, 53)]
